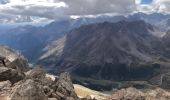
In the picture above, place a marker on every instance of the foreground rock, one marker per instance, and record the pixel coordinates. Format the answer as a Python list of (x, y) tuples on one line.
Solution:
[(5, 88), (12, 65), (17, 82), (10, 74), (29, 90), (64, 87), (36, 86), (12, 59)]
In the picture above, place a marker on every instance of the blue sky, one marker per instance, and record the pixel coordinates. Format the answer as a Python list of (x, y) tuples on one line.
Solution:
[(146, 1)]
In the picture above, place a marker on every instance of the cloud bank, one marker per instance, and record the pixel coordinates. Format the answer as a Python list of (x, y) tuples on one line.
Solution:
[(23, 10), (160, 6)]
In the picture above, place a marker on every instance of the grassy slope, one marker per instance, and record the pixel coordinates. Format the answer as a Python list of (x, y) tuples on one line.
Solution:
[(83, 92)]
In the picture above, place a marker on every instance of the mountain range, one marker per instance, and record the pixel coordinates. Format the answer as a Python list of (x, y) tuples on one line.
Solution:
[(106, 50), (109, 52), (119, 48), (32, 39), (101, 53)]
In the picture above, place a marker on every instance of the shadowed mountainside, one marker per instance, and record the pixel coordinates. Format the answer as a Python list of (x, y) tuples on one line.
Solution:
[(112, 51)]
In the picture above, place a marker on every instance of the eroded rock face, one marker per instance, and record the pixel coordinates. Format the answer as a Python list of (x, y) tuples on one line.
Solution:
[(64, 88), (36, 73), (19, 64), (37, 86), (12, 65), (5, 88), (10, 74), (29, 90), (12, 59)]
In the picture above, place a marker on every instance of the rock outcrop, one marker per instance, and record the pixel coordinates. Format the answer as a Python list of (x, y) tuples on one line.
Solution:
[(63, 88), (29, 90), (36, 86), (5, 87), (12, 65), (12, 59), (17, 82), (10, 74), (135, 94)]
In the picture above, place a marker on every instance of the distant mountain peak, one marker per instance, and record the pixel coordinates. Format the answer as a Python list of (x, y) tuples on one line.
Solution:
[(97, 46)]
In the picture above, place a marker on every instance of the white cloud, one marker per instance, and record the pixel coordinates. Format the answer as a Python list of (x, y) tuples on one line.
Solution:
[(160, 6), (92, 7), (138, 2), (19, 10), (57, 9)]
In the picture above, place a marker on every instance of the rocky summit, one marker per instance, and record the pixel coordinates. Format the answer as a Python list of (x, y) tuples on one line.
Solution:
[(19, 82)]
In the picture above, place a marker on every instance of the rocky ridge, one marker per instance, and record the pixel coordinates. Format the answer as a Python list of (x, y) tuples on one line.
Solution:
[(17, 83), (135, 94), (109, 51)]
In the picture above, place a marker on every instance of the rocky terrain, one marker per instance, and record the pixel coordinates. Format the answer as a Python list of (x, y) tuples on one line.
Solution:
[(135, 94), (19, 82)]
